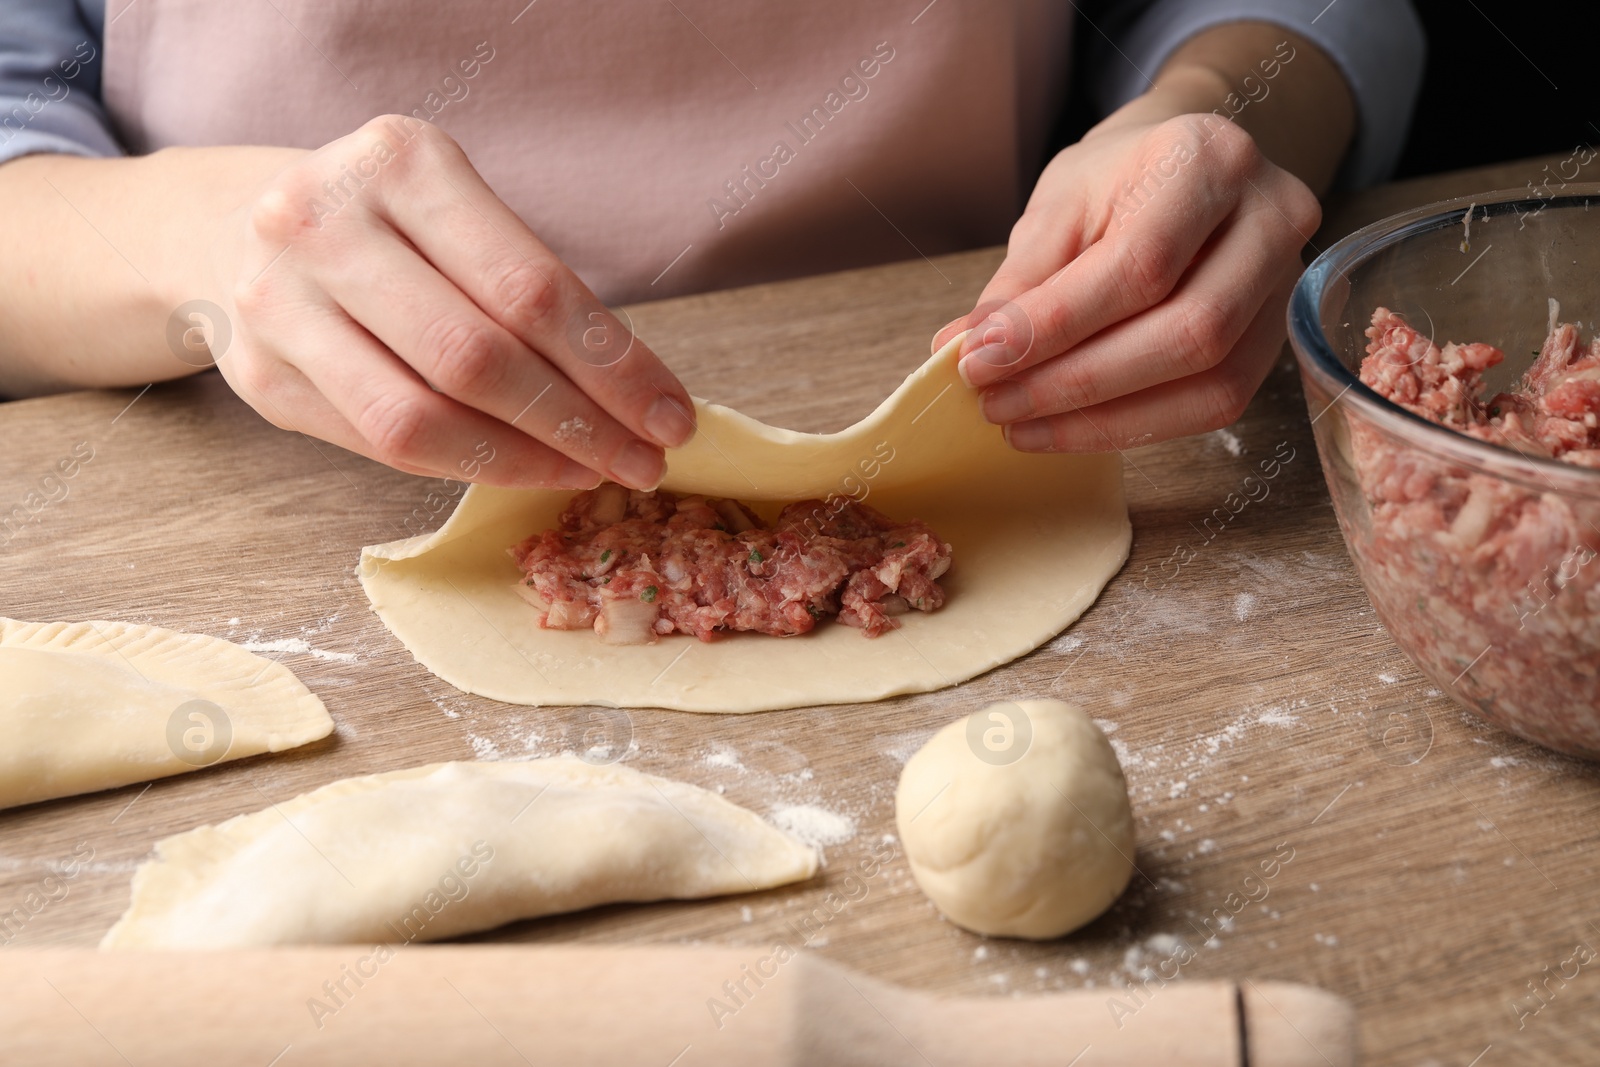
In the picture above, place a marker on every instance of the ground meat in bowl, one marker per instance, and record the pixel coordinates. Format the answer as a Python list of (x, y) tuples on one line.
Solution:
[(1552, 411), (638, 565), (1491, 584)]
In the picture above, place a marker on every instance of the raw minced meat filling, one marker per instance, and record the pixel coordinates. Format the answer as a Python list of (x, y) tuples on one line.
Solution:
[(1553, 411), (636, 565), (1491, 584)]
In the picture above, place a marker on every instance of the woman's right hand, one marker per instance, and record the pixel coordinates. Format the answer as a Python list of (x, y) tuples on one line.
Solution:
[(381, 297)]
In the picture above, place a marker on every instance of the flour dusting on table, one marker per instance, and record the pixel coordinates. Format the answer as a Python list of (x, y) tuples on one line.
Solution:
[(902, 746), (723, 756), (816, 826), (298, 645), (1243, 605), (1230, 442)]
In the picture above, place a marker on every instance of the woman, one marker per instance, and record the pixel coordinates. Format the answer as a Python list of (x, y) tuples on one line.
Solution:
[(394, 228)]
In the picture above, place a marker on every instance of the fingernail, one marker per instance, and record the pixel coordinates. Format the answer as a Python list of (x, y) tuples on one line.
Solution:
[(669, 422), (639, 466), (979, 336), (575, 475), (987, 364), (1032, 436), (993, 330), (1006, 402)]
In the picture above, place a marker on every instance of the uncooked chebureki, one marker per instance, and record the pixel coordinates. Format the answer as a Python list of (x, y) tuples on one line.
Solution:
[(96, 705), (448, 849), (1034, 538)]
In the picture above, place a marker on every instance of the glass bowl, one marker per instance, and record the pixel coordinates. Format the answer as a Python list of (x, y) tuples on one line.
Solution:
[(1480, 561)]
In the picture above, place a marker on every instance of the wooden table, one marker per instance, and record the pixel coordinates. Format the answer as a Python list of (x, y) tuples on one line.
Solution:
[(1431, 878)]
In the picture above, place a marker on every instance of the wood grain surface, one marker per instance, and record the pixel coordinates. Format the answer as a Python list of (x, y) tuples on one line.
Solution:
[(1429, 868)]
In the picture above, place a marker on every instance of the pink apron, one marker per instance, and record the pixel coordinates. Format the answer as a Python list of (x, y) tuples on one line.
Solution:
[(658, 146)]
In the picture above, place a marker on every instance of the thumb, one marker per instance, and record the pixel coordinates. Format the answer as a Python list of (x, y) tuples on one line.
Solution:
[(1028, 264), (950, 329), (1002, 288)]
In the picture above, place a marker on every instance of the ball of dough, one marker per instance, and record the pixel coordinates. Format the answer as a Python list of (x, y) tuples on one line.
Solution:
[(1016, 820)]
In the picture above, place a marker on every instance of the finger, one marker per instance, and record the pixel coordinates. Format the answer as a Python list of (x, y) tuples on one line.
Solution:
[(397, 420), (479, 243), (946, 332), (1130, 268), (1197, 404), (1041, 241), (1190, 332), (1046, 237), (315, 418), (1026, 265), (426, 321), (275, 389)]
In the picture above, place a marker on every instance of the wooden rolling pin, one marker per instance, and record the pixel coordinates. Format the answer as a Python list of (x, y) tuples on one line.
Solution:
[(658, 1006)]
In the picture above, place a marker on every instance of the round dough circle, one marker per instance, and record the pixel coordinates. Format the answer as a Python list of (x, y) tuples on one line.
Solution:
[(1035, 539), (1016, 820)]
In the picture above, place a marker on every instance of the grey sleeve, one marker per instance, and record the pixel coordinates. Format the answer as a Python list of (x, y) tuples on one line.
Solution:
[(1378, 45), (50, 79)]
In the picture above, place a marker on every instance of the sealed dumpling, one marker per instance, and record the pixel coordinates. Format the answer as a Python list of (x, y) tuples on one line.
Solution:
[(448, 849), (96, 705)]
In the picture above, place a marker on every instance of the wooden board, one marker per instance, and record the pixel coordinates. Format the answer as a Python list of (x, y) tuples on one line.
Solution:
[(1431, 879)]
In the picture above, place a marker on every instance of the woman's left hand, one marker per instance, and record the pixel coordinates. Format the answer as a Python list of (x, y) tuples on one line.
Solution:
[(1143, 291)]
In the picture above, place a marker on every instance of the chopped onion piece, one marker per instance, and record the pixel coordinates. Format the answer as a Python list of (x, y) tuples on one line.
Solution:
[(568, 615), (626, 621), (530, 594), (610, 503), (734, 517)]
